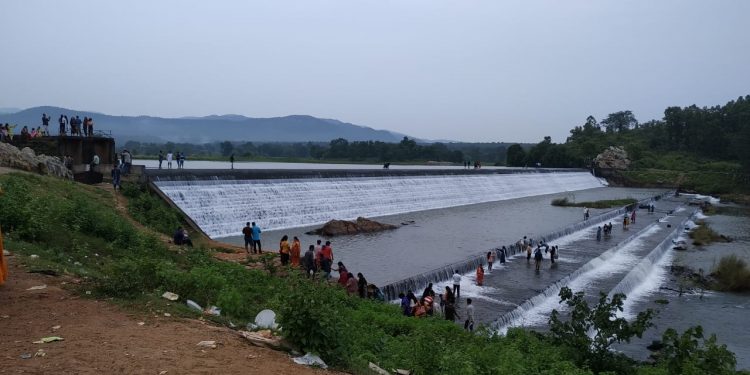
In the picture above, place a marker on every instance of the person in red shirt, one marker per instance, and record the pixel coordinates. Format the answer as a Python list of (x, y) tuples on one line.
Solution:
[(326, 259)]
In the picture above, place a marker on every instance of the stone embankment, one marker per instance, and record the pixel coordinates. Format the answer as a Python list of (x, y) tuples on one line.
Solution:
[(26, 160)]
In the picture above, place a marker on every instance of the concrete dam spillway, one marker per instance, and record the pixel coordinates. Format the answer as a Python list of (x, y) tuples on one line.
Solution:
[(220, 202)]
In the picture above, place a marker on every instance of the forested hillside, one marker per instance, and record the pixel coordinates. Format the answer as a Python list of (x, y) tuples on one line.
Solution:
[(686, 138)]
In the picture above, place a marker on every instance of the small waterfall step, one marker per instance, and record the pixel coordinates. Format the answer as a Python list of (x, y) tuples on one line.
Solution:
[(518, 283)]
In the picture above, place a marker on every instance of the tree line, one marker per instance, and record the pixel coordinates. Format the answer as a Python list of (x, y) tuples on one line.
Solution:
[(407, 150), (720, 134)]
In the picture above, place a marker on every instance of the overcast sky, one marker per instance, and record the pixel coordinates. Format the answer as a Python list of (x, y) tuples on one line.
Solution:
[(460, 70)]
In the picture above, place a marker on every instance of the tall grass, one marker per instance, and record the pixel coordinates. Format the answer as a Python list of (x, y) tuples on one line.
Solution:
[(704, 235), (732, 274)]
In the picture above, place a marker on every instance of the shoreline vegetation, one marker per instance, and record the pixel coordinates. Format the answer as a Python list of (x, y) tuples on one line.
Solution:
[(132, 264), (607, 203), (732, 274), (703, 235)]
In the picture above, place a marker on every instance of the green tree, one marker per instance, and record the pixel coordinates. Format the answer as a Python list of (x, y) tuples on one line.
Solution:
[(338, 148), (226, 148), (590, 332), (684, 354), (516, 156), (619, 122)]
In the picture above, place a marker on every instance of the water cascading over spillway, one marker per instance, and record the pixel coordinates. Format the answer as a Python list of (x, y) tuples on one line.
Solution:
[(221, 207)]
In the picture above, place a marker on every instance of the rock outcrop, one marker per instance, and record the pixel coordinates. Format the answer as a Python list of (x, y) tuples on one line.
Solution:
[(613, 158), (27, 160), (341, 227)]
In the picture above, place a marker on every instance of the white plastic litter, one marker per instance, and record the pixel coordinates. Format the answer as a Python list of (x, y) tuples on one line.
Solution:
[(191, 304), (214, 310), (266, 319), (310, 360), (170, 296)]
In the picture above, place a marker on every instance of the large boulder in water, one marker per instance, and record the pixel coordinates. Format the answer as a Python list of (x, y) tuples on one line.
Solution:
[(361, 225), (613, 158), (27, 160)]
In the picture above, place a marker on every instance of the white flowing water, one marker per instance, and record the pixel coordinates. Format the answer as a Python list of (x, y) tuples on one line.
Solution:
[(221, 207)]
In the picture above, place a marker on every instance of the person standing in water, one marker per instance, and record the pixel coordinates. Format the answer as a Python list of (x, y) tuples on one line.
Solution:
[(490, 260), (457, 283), (480, 275), (538, 258), (632, 217), (599, 233), (528, 253), (502, 255)]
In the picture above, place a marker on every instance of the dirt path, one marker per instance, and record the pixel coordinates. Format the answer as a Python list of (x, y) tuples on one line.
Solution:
[(101, 338)]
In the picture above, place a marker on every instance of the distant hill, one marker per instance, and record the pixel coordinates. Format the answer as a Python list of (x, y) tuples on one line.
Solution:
[(9, 110), (296, 128)]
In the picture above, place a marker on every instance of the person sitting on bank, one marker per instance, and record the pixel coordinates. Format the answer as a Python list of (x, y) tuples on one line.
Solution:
[(181, 237)]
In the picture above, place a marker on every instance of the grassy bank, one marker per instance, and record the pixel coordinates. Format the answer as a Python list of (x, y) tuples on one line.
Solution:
[(77, 230), (565, 202), (732, 184)]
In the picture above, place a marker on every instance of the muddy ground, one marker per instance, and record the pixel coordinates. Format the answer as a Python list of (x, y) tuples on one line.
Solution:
[(103, 338)]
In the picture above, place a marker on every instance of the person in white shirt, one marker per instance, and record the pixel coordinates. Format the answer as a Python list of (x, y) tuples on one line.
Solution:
[(169, 159), (456, 284)]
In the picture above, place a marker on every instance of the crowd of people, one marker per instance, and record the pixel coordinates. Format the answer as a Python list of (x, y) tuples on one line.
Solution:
[(179, 158), (317, 262), (73, 126)]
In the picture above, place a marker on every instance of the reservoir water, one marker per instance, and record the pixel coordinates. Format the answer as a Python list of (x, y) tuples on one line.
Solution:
[(443, 236)]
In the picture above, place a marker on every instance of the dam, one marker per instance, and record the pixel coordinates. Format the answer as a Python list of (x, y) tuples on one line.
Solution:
[(221, 202)]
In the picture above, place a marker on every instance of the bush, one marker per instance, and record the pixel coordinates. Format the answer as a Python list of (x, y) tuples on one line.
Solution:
[(684, 354), (704, 235), (732, 274), (313, 317)]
